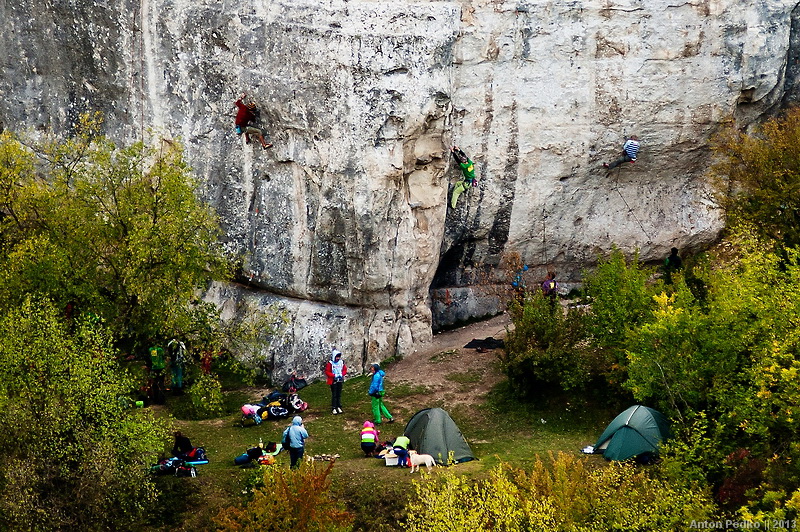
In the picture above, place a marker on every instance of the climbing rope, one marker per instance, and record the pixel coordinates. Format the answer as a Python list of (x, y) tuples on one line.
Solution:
[(544, 233), (616, 187)]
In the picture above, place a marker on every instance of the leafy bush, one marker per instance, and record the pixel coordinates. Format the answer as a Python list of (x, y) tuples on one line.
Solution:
[(205, 396), (283, 499), (617, 291), (566, 496), (71, 448), (376, 506), (758, 178), (547, 347), (232, 373)]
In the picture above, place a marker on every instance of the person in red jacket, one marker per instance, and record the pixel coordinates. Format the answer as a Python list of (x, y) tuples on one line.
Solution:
[(245, 116), (336, 370)]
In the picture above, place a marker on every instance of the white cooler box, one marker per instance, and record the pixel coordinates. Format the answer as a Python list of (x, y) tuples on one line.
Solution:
[(391, 459)]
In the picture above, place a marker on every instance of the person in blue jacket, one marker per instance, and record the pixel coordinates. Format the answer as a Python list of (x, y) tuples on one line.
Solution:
[(296, 436), (376, 391)]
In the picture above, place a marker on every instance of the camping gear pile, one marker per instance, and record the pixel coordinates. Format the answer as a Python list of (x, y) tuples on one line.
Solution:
[(184, 466), (276, 405), (636, 432)]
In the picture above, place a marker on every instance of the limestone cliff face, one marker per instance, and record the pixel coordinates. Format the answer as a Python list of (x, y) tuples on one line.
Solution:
[(344, 224)]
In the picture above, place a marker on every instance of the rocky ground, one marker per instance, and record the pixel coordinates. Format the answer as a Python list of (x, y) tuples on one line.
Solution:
[(450, 372)]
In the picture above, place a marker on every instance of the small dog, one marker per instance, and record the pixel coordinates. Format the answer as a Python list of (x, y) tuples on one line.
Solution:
[(420, 459)]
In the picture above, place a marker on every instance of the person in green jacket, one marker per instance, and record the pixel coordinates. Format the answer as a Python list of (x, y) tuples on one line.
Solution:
[(400, 448), (467, 180)]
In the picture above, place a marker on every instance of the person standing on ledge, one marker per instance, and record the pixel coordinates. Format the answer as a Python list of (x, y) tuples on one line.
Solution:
[(629, 151)]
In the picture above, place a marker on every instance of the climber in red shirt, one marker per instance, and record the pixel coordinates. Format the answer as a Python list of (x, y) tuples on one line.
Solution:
[(245, 115)]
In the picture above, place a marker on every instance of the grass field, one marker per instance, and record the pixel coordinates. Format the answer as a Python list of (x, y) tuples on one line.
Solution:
[(498, 428)]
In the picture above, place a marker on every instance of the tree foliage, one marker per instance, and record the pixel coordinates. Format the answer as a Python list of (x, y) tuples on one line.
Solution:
[(288, 500), (576, 348), (547, 347), (758, 178), (568, 495), (116, 231), (733, 359), (72, 449)]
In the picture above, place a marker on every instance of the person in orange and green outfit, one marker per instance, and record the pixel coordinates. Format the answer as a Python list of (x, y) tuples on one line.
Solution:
[(467, 180), (376, 391)]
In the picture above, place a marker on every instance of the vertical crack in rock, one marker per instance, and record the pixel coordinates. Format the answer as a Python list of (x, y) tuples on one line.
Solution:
[(498, 234), (791, 89)]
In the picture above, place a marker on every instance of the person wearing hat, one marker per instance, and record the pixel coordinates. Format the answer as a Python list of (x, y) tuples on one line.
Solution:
[(379, 410), (245, 116), (294, 437), (335, 371)]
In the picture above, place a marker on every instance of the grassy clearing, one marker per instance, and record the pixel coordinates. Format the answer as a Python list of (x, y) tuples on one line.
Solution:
[(498, 429)]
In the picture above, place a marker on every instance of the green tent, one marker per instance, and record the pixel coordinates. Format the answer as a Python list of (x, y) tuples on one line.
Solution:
[(635, 432), (432, 431)]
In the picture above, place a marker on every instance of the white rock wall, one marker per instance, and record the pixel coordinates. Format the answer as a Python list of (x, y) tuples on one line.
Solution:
[(345, 221)]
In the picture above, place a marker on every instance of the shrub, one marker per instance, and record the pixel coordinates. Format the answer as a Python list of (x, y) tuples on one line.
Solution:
[(566, 496), (205, 396), (70, 448), (757, 178), (288, 500), (620, 299), (547, 347)]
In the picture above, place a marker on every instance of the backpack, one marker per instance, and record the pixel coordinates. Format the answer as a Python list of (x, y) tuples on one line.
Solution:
[(285, 441)]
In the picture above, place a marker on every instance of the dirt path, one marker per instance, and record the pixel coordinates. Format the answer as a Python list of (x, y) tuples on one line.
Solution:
[(449, 371)]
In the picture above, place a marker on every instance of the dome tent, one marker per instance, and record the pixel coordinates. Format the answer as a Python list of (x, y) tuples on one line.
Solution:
[(432, 431), (635, 432)]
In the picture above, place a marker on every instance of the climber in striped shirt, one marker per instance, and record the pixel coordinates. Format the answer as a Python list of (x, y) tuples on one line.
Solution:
[(629, 151)]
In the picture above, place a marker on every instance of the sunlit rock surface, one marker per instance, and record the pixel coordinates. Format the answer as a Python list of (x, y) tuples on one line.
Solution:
[(345, 224)]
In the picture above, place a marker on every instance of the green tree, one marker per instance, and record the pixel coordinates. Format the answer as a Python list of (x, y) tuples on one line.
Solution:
[(617, 291), (758, 177), (119, 232), (73, 455), (727, 368), (547, 347)]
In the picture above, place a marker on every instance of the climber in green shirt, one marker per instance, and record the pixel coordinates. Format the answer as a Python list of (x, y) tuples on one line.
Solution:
[(468, 180)]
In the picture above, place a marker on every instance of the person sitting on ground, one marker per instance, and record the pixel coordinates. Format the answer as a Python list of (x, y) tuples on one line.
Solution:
[(468, 178), (629, 151), (182, 446), (369, 438), (245, 117)]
